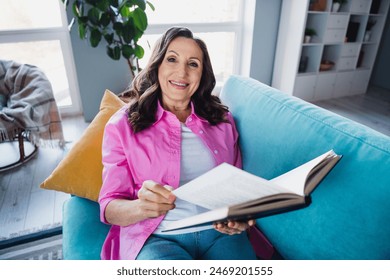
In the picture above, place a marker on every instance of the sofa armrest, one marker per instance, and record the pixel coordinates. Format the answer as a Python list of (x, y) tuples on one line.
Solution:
[(83, 232)]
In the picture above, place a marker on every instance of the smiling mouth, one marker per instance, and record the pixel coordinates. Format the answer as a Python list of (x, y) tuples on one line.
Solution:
[(178, 84)]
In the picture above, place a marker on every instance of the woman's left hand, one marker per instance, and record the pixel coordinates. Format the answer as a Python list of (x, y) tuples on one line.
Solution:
[(233, 227)]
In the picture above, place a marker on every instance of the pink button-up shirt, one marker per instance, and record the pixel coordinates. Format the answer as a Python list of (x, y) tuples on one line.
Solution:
[(153, 154)]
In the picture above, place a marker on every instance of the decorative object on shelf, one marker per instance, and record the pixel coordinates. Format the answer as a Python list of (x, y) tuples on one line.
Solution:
[(303, 64), (370, 24), (317, 5), (337, 5), (309, 33), (326, 65)]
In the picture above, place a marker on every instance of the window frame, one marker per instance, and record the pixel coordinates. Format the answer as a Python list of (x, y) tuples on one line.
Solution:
[(61, 34), (243, 29)]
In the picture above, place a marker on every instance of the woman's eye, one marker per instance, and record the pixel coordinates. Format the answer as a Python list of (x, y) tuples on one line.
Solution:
[(193, 64), (171, 59)]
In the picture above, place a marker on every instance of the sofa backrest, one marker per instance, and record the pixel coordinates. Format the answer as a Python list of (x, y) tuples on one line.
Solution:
[(349, 217)]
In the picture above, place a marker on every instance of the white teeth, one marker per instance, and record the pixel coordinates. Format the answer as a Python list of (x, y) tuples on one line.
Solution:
[(179, 84)]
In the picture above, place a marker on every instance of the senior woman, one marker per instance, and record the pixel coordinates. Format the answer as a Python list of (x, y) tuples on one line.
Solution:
[(172, 131)]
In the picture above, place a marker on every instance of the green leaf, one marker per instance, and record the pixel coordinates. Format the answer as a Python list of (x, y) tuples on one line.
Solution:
[(117, 52), (139, 51), (127, 51), (137, 35), (110, 52), (140, 19), (83, 19), (118, 27), (103, 5), (105, 19), (94, 16), (109, 38), (123, 4), (82, 30), (125, 12), (95, 38), (92, 2), (140, 3), (114, 53), (78, 8), (128, 31), (151, 6)]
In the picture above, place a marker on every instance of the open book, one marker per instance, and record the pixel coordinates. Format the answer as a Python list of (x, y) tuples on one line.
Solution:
[(234, 194)]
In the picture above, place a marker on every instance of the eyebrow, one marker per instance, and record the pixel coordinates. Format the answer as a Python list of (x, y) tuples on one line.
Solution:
[(179, 55)]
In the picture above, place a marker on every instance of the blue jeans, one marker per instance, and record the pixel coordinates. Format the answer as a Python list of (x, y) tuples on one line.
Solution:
[(201, 245)]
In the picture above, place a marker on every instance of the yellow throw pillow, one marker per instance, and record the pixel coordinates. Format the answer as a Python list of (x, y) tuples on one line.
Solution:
[(80, 172)]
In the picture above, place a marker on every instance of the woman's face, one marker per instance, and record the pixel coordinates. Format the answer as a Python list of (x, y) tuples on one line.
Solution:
[(180, 72)]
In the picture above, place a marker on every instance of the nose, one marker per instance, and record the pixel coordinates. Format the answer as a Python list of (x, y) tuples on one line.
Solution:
[(182, 70)]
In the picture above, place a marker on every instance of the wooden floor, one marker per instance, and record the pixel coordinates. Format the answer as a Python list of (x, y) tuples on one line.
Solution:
[(26, 209), (371, 109)]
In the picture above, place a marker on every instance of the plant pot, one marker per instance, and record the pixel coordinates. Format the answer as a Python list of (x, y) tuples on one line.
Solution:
[(367, 36), (307, 39), (335, 7)]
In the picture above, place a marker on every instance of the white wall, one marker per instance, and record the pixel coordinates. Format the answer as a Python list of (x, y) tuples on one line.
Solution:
[(264, 39)]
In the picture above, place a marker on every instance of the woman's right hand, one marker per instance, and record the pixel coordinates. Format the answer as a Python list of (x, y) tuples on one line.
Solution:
[(155, 199)]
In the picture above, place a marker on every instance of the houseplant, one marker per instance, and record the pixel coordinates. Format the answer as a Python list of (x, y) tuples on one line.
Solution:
[(309, 33), (121, 23), (337, 4)]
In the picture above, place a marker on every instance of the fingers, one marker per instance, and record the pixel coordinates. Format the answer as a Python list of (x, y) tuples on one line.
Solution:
[(153, 210), (155, 192), (155, 199), (251, 223), (233, 227)]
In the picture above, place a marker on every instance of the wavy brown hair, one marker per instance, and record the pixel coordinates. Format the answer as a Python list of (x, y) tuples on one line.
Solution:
[(145, 90)]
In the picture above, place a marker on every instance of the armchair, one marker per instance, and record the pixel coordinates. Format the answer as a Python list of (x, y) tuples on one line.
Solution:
[(29, 115)]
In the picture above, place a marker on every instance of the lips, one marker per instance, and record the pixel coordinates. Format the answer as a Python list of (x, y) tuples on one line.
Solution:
[(178, 84)]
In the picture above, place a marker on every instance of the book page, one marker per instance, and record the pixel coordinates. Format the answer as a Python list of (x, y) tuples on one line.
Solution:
[(225, 185), (295, 179)]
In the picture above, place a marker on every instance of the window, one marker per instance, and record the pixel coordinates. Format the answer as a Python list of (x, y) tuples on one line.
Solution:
[(30, 34), (220, 23)]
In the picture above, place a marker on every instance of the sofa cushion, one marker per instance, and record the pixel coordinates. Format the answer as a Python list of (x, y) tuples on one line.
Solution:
[(80, 172), (350, 210)]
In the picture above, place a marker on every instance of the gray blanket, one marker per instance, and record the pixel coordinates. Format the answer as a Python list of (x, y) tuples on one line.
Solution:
[(27, 104)]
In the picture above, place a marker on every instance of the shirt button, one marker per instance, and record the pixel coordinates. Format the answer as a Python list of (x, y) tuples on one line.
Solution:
[(215, 151), (201, 131), (190, 119)]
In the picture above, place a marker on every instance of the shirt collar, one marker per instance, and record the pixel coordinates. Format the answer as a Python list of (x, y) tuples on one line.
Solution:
[(161, 111)]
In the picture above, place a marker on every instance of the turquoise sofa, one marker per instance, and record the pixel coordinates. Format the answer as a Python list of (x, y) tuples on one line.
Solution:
[(349, 217)]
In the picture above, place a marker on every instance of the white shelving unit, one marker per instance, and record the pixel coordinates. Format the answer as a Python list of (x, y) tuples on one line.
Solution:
[(342, 38)]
